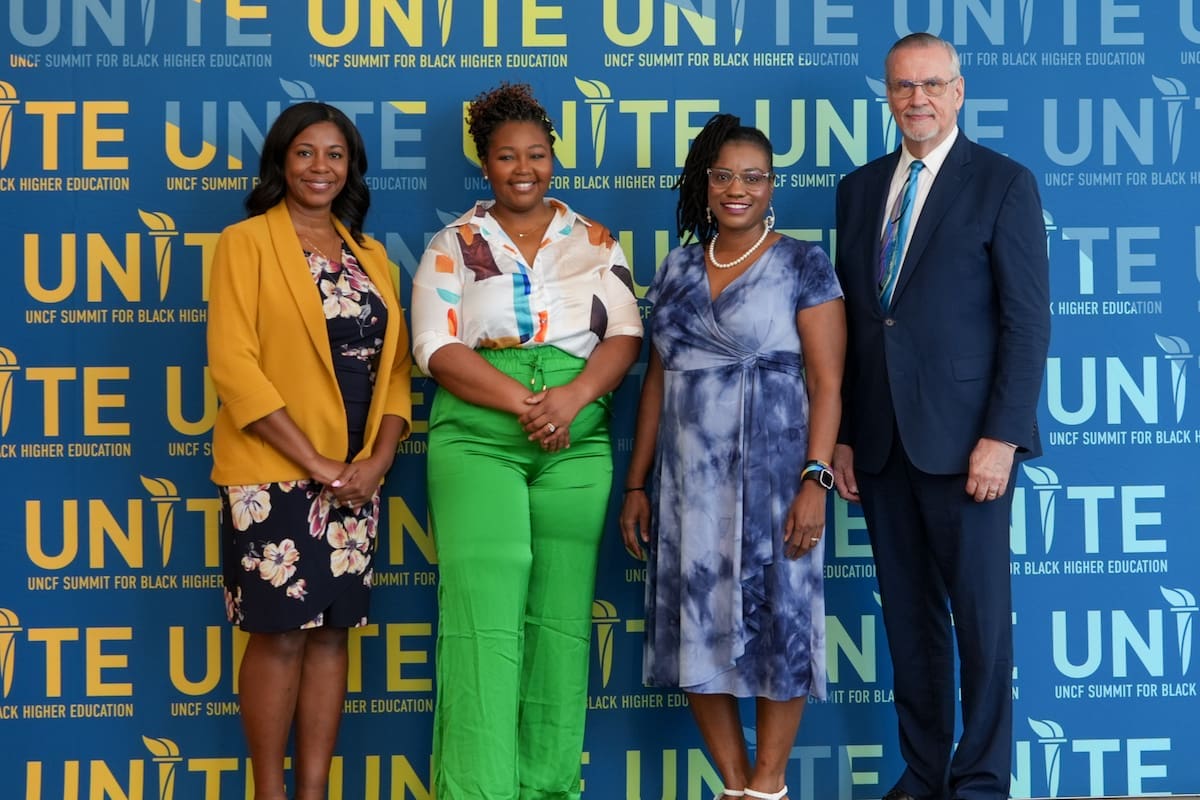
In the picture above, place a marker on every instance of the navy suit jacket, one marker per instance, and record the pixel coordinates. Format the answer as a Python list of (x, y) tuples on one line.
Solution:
[(961, 353)]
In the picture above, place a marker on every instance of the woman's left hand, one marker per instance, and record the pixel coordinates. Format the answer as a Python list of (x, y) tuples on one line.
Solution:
[(805, 520), (551, 412)]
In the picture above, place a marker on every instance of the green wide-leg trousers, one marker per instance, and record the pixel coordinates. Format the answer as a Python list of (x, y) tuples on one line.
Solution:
[(517, 532)]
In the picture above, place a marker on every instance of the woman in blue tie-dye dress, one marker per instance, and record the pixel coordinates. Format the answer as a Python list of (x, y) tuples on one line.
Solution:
[(728, 479)]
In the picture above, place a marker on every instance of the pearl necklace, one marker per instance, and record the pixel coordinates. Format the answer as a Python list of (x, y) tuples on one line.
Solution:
[(712, 250)]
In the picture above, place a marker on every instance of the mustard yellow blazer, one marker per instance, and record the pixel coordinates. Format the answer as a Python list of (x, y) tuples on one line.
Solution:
[(268, 349)]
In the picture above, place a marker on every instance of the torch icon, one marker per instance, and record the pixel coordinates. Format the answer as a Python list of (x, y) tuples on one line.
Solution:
[(162, 230), (164, 495), (1174, 94), (165, 753), (1183, 606), (597, 95), (8, 366), (1045, 482), (8, 99), (1050, 736), (604, 616), (10, 626), (1178, 354)]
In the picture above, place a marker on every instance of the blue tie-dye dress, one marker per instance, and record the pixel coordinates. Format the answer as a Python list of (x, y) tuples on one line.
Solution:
[(726, 611)]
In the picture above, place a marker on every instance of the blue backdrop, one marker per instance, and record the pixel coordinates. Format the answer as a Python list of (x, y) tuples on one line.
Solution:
[(129, 134)]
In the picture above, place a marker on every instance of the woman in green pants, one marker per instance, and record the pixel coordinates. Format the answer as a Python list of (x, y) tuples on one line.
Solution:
[(524, 313)]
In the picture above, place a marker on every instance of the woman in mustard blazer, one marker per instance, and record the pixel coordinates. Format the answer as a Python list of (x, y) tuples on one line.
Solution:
[(308, 350)]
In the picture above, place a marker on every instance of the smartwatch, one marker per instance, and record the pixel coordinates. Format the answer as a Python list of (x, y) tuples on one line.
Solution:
[(819, 472)]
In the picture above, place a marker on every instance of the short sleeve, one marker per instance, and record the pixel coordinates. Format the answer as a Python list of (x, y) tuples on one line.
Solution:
[(818, 280), (620, 300), (437, 297)]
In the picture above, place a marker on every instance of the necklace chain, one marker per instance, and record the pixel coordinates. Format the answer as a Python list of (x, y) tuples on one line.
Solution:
[(518, 233), (712, 250), (313, 248)]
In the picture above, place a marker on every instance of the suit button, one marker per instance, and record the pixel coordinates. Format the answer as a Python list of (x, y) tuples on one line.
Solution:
[(889, 322)]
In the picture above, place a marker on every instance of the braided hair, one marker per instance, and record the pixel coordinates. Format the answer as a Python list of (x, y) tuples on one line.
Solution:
[(691, 213), (508, 102)]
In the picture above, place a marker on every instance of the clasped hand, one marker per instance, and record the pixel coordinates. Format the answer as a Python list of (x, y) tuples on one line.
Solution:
[(549, 417), (352, 485)]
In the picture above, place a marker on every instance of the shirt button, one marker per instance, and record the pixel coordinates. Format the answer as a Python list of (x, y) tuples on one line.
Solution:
[(889, 322)]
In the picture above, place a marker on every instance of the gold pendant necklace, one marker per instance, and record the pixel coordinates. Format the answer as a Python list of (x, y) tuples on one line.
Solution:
[(519, 234)]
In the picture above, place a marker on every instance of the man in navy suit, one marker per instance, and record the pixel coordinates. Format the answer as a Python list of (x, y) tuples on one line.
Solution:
[(947, 300)]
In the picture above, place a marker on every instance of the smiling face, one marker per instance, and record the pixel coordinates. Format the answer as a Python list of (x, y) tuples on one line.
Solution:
[(736, 206), (519, 165), (315, 166), (925, 121)]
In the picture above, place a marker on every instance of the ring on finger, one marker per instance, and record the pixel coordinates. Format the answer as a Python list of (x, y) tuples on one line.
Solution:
[(550, 427)]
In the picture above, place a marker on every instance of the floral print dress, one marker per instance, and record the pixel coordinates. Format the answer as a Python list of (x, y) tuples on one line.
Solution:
[(294, 557)]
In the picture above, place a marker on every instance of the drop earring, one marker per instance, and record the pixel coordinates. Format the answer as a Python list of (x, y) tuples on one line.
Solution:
[(769, 219), (708, 214)]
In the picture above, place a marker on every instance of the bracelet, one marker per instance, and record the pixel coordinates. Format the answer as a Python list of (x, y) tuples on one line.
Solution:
[(815, 463), (629, 489)]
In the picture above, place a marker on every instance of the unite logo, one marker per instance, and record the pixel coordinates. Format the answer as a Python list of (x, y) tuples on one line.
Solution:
[(1080, 767), (384, 17), (89, 122), (1082, 640), (169, 774), (833, 129), (851, 770), (122, 25), (99, 394), (1091, 510), (1155, 390), (91, 531), (91, 264), (1120, 121), (194, 131), (1136, 267)]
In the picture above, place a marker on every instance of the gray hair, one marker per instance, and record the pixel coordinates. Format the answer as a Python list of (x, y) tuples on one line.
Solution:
[(922, 39)]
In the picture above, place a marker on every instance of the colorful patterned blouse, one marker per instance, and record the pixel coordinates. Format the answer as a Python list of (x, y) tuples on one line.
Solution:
[(473, 287)]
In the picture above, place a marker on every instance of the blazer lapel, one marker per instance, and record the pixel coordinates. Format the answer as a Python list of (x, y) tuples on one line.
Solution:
[(289, 255), (956, 171)]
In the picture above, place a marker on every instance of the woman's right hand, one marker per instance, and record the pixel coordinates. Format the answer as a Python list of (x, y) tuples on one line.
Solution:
[(326, 470), (635, 522)]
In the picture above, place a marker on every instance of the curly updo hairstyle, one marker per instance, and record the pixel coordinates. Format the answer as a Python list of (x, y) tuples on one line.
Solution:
[(351, 204), (508, 102), (691, 218)]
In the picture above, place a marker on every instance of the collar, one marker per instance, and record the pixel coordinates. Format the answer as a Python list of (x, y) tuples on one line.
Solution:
[(480, 218), (933, 162)]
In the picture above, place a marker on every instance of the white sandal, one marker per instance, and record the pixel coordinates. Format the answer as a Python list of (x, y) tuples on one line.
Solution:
[(729, 793), (782, 793)]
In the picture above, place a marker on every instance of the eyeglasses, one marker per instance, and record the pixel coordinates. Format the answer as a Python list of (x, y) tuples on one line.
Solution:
[(934, 87), (723, 179)]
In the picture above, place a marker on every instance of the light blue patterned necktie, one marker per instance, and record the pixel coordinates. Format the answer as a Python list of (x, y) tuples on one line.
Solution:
[(891, 251)]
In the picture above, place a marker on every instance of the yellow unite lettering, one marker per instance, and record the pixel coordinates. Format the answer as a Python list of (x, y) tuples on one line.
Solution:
[(92, 134), (102, 524)]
